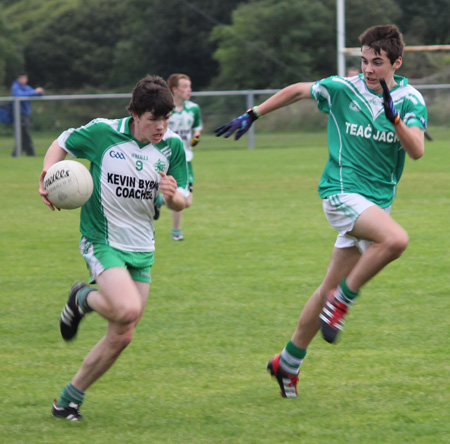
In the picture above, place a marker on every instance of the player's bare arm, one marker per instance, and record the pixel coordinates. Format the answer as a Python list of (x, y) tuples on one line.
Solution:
[(172, 197), (54, 154), (412, 139), (287, 96)]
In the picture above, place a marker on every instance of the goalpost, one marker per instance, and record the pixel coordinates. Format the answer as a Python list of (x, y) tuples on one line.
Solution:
[(342, 50)]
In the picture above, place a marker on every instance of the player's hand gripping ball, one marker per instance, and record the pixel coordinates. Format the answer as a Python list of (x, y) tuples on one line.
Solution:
[(69, 184)]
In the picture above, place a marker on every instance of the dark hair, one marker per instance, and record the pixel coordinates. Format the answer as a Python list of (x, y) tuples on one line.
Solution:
[(384, 37), (151, 94), (173, 80)]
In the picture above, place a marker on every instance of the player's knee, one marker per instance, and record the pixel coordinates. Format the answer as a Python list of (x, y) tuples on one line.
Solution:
[(128, 315), (119, 342), (397, 244)]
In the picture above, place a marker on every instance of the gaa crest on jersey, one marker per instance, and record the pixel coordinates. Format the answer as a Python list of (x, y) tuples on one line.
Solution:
[(159, 166), (117, 155), (354, 106), (376, 101)]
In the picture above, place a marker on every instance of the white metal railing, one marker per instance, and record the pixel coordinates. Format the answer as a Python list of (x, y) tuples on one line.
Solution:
[(250, 94)]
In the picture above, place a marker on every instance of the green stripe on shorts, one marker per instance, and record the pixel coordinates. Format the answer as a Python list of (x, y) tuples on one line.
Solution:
[(347, 210)]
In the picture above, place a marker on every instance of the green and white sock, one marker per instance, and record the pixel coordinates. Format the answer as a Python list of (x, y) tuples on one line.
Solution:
[(344, 294), (291, 358), (70, 394), (82, 299), (176, 233)]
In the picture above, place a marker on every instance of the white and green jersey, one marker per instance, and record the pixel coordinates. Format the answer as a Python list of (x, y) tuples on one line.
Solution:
[(126, 176), (184, 122), (365, 155)]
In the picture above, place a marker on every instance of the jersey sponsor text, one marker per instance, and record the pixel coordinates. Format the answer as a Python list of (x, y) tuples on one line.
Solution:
[(367, 132), (132, 187)]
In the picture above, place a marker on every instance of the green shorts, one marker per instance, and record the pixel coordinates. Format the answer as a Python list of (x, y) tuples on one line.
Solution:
[(100, 257)]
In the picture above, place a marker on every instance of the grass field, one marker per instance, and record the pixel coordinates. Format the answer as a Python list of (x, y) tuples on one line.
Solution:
[(226, 300)]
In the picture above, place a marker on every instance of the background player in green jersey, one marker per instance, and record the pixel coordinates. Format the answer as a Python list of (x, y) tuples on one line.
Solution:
[(374, 120), (186, 121), (131, 159)]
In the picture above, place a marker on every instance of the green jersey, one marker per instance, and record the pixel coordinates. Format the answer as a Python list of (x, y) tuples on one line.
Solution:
[(184, 122), (126, 174), (365, 155)]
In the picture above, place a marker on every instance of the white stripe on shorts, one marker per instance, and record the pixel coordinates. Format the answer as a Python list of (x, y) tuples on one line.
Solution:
[(94, 265)]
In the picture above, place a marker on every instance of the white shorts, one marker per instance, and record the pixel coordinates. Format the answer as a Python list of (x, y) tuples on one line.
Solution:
[(342, 210)]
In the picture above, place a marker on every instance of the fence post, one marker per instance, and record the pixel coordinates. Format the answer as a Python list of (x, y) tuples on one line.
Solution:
[(251, 131), (17, 127)]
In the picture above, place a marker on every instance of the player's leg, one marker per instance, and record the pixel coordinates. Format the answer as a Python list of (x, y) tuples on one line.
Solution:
[(122, 301), (286, 366), (176, 220), (177, 232), (27, 141), (118, 299), (384, 242), (129, 267), (389, 241), (342, 262)]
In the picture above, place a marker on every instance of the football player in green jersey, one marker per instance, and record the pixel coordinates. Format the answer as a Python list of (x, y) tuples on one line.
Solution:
[(186, 121), (131, 160), (375, 119)]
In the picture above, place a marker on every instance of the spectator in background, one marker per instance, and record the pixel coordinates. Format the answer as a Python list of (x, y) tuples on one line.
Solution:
[(352, 71), (20, 88), (186, 121)]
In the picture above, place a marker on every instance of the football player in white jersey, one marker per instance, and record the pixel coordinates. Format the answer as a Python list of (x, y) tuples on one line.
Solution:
[(132, 159), (186, 121), (375, 119)]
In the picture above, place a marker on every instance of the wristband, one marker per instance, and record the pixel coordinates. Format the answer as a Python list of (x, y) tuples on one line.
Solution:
[(253, 113)]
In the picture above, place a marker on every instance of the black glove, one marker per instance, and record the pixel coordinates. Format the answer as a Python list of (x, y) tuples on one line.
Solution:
[(389, 109), (195, 140), (241, 123)]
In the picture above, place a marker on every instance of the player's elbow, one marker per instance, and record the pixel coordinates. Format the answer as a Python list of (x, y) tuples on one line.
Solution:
[(177, 203), (417, 154), (415, 151)]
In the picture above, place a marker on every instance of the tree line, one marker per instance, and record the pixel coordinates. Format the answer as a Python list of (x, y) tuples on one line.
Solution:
[(107, 45)]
